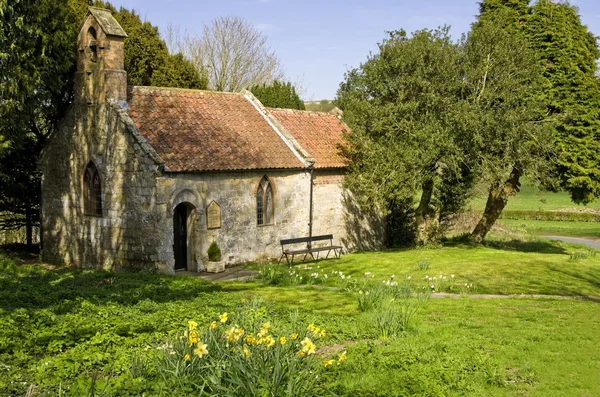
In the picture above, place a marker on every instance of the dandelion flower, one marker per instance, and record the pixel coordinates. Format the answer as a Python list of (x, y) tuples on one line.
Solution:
[(223, 317), (201, 350)]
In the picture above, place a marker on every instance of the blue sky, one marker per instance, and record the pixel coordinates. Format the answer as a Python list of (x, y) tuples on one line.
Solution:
[(317, 41)]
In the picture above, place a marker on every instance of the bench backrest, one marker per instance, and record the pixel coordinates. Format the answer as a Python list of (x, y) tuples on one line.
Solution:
[(306, 239)]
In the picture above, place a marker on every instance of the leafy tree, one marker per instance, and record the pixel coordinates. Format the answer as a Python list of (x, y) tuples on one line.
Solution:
[(401, 105), (569, 52), (37, 62), (278, 95), (504, 79)]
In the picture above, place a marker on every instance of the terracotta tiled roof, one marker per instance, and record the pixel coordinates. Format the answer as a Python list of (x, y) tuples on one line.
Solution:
[(194, 130), (320, 134)]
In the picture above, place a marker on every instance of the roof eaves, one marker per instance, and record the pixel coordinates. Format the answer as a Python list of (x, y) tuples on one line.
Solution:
[(106, 20)]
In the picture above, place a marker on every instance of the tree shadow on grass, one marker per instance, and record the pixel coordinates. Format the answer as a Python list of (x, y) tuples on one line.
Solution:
[(67, 286), (540, 246)]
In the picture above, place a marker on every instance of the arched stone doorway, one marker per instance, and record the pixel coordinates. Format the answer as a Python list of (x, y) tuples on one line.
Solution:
[(183, 236)]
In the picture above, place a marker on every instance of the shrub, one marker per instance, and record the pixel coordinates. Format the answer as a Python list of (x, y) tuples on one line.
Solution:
[(214, 252)]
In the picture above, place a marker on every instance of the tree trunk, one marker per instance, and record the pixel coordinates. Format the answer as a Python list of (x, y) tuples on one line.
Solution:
[(497, 199), (423, 221), (29, 227)]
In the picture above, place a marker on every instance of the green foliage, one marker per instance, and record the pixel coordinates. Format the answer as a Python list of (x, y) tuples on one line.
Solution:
[(37, 61), (214, 252), (278, 95), (568, 51), (244, 354), (401, 105)]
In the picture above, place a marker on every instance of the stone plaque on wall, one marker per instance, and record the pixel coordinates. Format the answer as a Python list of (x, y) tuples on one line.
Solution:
[(213, 215)]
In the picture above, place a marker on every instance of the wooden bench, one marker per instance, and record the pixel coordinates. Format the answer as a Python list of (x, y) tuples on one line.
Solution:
[(309, 250)]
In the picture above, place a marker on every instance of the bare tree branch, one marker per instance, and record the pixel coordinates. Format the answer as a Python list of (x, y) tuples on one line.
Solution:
[(234, 54)]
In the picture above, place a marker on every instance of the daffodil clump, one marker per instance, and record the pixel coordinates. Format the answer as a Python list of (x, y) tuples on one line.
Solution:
[(247, 353)]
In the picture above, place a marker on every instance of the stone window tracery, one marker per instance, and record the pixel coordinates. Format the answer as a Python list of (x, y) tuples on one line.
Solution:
[(264, 202), (92, 191)]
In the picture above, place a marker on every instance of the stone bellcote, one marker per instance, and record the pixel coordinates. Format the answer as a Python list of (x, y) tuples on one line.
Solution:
[(100, 73)]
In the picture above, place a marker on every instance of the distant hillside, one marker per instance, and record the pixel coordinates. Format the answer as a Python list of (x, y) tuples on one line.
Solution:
[(322, 106)]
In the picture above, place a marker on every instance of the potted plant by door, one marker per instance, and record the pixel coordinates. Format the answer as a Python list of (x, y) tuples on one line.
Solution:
[(214, 264)]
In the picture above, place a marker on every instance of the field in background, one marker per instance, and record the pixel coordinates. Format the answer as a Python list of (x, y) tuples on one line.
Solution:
[(530, 198)]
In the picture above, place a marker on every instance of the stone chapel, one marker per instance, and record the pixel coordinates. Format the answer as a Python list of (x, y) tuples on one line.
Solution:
[(150, 177)]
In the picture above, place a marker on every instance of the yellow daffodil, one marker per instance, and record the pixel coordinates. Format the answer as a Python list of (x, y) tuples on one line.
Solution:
[(213, 325), (269, 341), (308, 347), (250, 340), (328, 363), (342, 357), (323, 333), (234, 334), (246, 351), (294, 336), (263, 332), (193, 338), (283, 340), (187, 357), (201, 350), (223, 317), (192, 325)]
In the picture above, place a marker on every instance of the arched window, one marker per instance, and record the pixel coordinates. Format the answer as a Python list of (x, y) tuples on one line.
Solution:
[(92, 191), (92, 44), (264, 202)]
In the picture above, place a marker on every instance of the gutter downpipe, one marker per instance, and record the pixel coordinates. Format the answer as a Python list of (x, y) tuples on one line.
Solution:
[(310, 216)]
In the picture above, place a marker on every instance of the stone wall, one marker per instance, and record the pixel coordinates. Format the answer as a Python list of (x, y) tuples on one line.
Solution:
[(123, 235), (239, 237), (336, 212)]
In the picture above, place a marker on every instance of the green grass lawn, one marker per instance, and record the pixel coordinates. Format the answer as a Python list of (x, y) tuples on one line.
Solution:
[(61, 328), (530, 199), (535, 267), (555, 228)]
